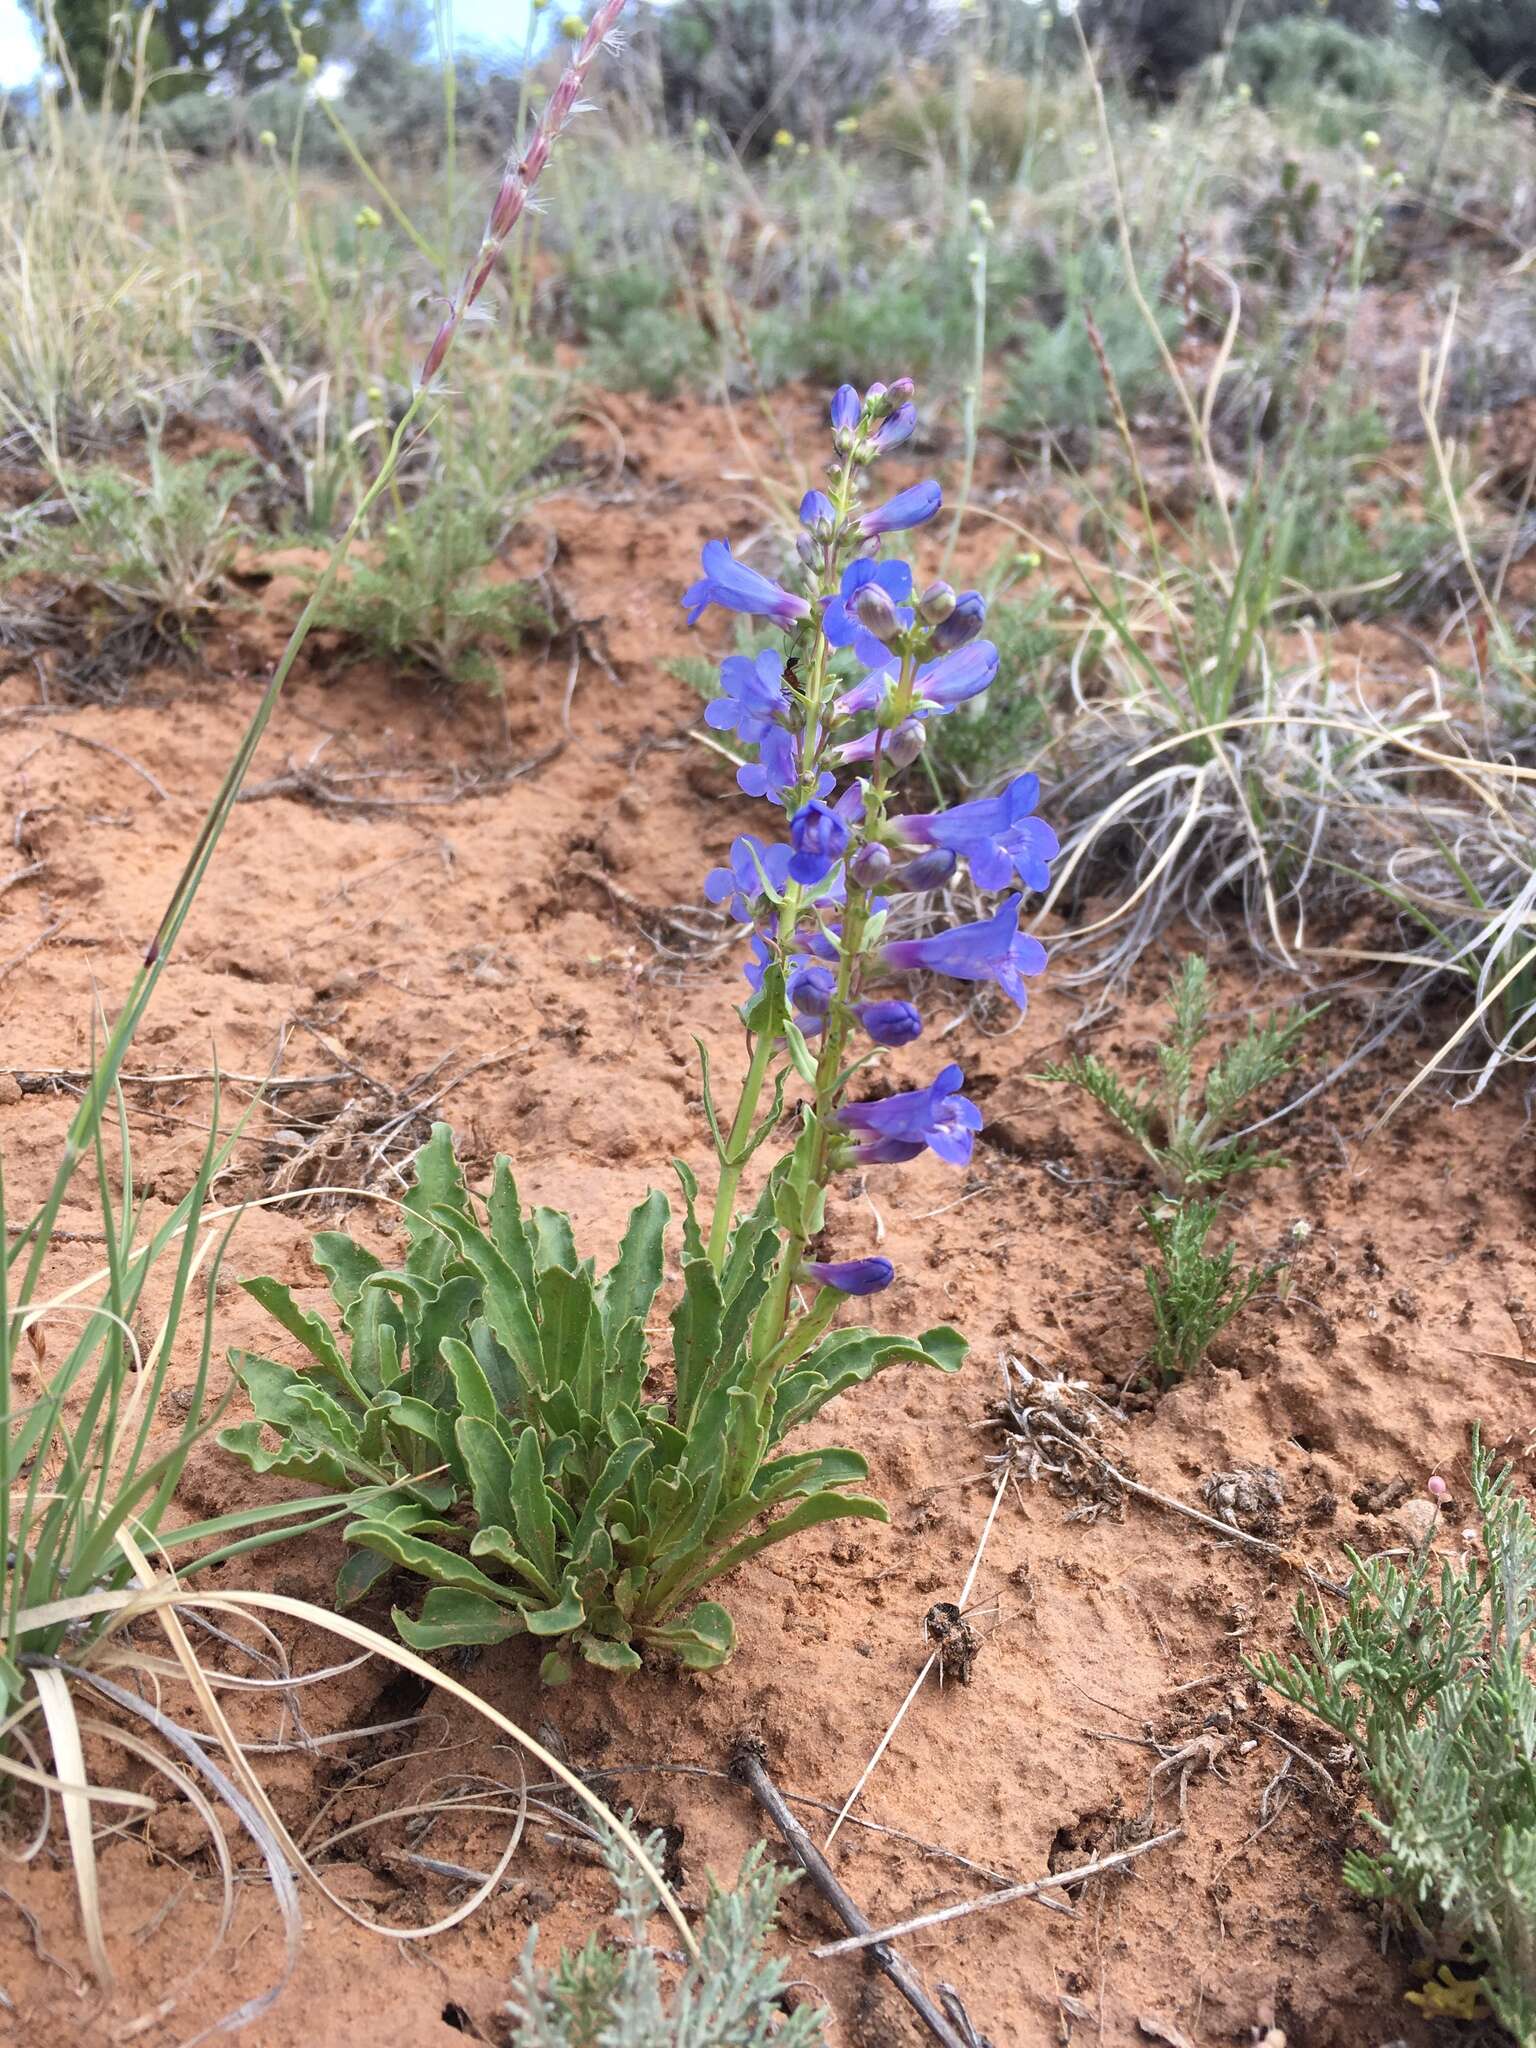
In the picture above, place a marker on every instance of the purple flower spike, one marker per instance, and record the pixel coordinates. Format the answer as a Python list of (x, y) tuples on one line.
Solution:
[(998, 836), (845, 408), (938, 1117), (994, 950), (914, 506), (893, 431), (891, 1022), (737, 588), (819, 836), (851, 1276), (740, 885)]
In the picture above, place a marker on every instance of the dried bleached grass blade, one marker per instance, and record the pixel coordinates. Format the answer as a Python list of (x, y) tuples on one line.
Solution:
[(75, 1795), (162, 1597)]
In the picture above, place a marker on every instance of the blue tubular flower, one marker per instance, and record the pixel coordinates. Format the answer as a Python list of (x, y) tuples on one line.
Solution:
[(890, 1022), (851, 1276), (998, 836), (894, 430), (994, 950), (840, 625), (961, 623), (753, 704), (914, 506), (737, 588), (820, 834), (938, 1117), (740, 885), (814, 507), (810, 988), (845, 408), (937, 687), (954, 677)]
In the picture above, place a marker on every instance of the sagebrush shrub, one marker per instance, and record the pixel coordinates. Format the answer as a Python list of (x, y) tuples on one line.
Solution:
[(1428, 1675)]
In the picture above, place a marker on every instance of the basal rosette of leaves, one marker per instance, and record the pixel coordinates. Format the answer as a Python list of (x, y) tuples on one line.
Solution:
[(495, 1402)]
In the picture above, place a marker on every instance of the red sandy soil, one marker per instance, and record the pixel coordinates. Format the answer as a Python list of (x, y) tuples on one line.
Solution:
[(529, 929)]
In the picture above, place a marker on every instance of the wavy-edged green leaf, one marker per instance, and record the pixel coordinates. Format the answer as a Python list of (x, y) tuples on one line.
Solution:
[(358, 1576), (554, 1244), (346, 1265), (627, 1290), (559, 1620), (847, 1358), (532, 1511), (488, 1462), (703, 1639), (450, 1618), (607, 1654), (312, 1330), (499, 1543), (695, 1337), (808, 1514), (428, 1560), (507, 1309), (309, 1464), (571, 1336), (693, 1237), (509, 1233)]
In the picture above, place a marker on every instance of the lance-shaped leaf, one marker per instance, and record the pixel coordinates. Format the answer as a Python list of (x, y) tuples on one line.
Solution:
[(450, 1617), (703, 1639), (848, 1357), (505, 1305), (821, 1507), (627, 1290), (312, 1331)]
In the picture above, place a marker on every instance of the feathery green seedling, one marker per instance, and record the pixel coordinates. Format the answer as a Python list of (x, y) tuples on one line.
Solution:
[(1183, 1126), (1427, 1675), (1197, 1293), (729, 1997), (424, 596)]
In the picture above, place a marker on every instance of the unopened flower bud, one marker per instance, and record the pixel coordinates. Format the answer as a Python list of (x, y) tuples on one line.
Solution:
[(701, 128), (936, 603), (902, 391), (963, 622), (869, 866), (1370, 139), (1438, 1488), (367, 217), (931, 870), (573, 27), (267, 139), (783, 139), (849, 125), (906, 743), (891, 1021), (807, 550), (873, 609), (308, 64), (818, 512)]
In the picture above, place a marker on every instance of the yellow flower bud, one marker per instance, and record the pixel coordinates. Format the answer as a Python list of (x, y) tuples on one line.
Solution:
[(783, 139), (849, 125), (267, 139), (308, 64), (1370, 139), (367, 217), (573, 26)]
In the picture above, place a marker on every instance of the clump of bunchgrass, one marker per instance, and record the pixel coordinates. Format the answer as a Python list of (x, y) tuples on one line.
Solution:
[(1183, 1125), (142, 565), (1427, 1675), (425, 596), (730, 1996)]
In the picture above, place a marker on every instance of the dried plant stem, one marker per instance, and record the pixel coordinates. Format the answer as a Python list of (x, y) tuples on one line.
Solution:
[(749, 1768), (917, 1684), (1100, 1868)]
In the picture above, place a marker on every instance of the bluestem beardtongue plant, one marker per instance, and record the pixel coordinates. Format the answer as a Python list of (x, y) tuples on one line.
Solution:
[(820, 967), (488, 1406)]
